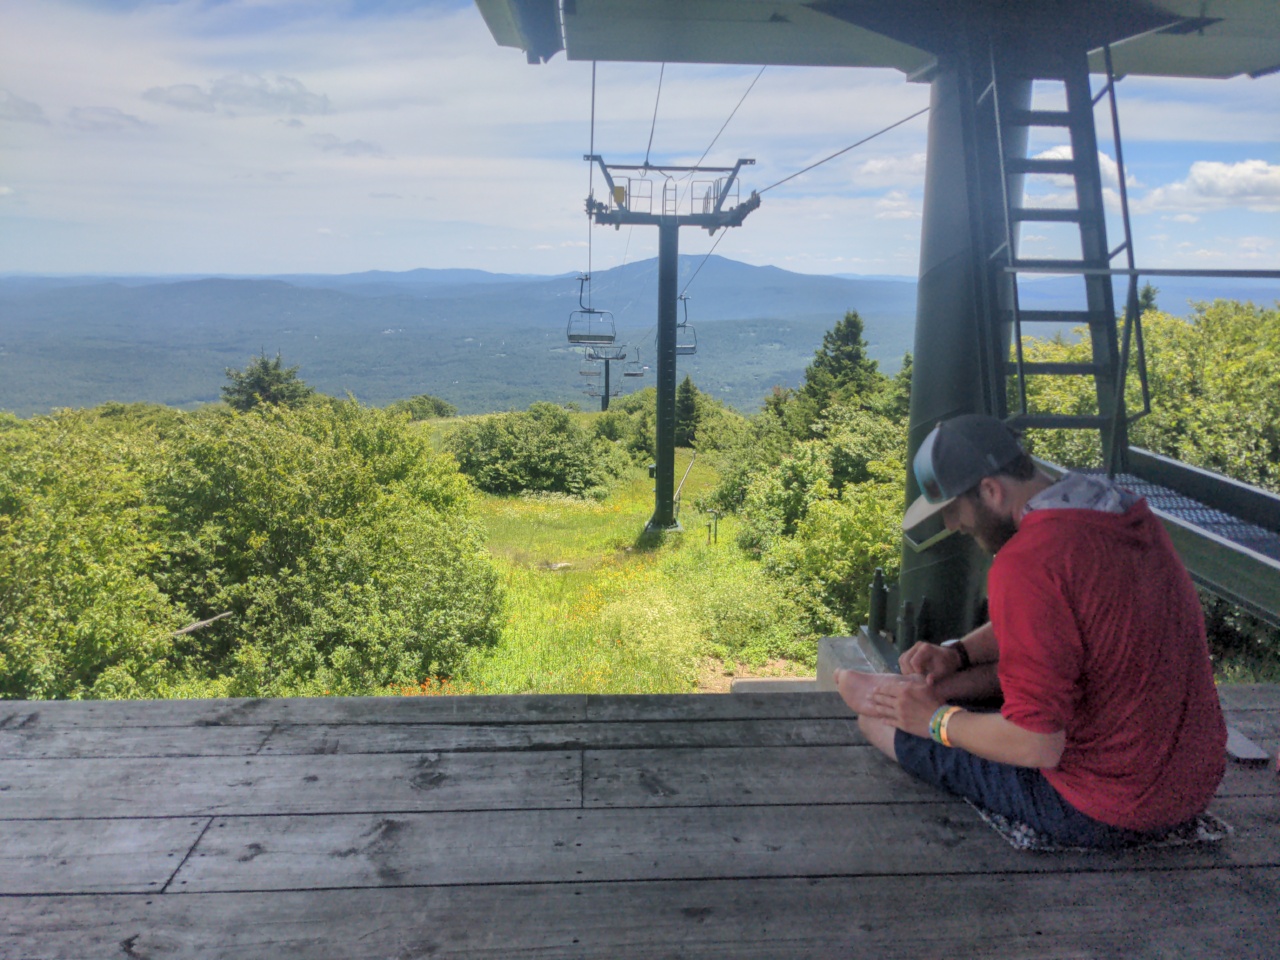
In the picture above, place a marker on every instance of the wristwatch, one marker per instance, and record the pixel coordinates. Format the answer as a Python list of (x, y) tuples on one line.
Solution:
[(958, 646)]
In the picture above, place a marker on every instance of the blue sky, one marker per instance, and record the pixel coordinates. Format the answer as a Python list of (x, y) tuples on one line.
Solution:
[(270, 136)]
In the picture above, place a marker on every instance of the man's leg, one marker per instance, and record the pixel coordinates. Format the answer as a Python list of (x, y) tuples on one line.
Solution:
[(879, 734)]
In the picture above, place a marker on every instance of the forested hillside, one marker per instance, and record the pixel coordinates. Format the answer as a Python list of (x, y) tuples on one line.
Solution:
[(314, 545), (482, 342)]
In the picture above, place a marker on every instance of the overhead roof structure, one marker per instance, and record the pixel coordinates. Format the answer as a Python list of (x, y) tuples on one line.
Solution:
[(1177, 38), (981, 58)]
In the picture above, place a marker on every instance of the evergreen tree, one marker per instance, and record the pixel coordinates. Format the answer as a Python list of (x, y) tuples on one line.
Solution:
[(424, 407), (1147, 298), (686, 413), (841, 368), (264, 381)]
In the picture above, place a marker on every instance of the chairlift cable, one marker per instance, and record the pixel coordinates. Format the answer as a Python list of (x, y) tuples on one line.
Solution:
[(704, 262), (591, 171), (846, 149), (805, 170), (654, 125), (732, 113)]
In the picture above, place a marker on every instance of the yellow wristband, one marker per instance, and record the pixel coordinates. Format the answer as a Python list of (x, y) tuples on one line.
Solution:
[(942, 727)]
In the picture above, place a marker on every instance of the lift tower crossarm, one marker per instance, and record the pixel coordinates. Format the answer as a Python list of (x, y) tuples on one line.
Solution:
[(620, 213)]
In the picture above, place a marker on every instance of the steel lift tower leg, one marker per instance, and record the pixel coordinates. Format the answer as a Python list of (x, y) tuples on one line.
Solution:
[(664, 517), (958, 328)]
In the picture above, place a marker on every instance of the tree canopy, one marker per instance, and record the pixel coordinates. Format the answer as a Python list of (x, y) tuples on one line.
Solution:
[(264, 381), (323, 548)]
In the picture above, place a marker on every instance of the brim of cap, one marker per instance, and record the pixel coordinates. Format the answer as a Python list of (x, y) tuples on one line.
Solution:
[(922, 510)]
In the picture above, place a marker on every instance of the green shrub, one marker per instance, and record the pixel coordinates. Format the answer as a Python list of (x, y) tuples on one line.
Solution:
[(332, 550), (423, 407), (342, 545), (79, 616), (541, 450)]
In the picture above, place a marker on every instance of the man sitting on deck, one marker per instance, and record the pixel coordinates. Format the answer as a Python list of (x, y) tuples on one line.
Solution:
[(1110, 731)]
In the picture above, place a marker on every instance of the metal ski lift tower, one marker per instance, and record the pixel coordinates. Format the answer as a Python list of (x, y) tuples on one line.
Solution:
[(607, 356), (712, 216)]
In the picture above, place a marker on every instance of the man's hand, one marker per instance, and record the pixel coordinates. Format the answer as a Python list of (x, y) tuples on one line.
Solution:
[(907, 705), (931, 661)]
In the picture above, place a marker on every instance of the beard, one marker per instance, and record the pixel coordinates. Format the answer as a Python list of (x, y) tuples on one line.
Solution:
[(990, 529)]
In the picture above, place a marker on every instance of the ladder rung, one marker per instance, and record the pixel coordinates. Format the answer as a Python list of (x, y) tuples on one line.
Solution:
[(1039, 118), (1054, 369), (1058, 421), (1066, 266), (1040, 165), (1054, 316), (1045, 214)]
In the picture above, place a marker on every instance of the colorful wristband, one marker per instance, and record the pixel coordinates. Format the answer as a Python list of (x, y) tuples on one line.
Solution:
[(935, 723), (938, 724), (942, 728)]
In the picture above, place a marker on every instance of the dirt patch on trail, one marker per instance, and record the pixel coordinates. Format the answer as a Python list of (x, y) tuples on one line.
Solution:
[(716, 676)]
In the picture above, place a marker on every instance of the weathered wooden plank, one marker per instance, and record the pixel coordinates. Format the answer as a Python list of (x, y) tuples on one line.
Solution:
[(26, 714), (1143, 915), (476, 709), (93, 856), (764, 775), (69, 742), (621, 735), (277, 853), (1256, 724), (1249, 696), (190, 786), (716, 706), (284, 739), (1251, 781), (757, 775)]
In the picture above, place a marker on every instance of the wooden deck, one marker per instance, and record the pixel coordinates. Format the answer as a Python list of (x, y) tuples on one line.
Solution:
[(732, 826)]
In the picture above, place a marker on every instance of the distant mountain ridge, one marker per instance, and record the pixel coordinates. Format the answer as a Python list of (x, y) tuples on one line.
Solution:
[(481, 341)]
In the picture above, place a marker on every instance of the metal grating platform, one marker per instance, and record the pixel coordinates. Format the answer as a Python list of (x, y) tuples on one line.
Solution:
[(1247, 535)]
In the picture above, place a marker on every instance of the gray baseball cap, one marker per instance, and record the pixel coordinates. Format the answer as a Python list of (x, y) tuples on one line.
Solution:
[(954, 457)]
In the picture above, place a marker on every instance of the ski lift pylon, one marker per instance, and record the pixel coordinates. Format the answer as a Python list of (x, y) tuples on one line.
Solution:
[(588, 325)]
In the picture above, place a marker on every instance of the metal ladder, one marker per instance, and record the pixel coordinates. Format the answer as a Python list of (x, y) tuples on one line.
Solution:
[(1000, 129)]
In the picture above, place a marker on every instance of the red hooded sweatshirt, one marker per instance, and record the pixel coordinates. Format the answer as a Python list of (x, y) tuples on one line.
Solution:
[(1101, 635)]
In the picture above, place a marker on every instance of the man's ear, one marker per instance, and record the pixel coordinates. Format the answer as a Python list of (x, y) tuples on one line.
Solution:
[(992, 492)]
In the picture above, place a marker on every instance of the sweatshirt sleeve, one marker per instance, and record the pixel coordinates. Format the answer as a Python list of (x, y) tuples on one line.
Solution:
[(1041, 653)]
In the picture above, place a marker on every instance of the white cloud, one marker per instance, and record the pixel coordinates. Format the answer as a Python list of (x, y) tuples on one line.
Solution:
[(1182, 218), (890, 171), (895, 205), (6, 191), (1107, 168), (13, 107), (105, 120), (348, 148), (416, 100), (243, 93), (1252, 184)]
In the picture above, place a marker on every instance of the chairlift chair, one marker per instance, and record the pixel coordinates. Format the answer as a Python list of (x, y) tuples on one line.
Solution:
[(686, 340), (633, 368), (686, 336), (598, 353), (586, 324)]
